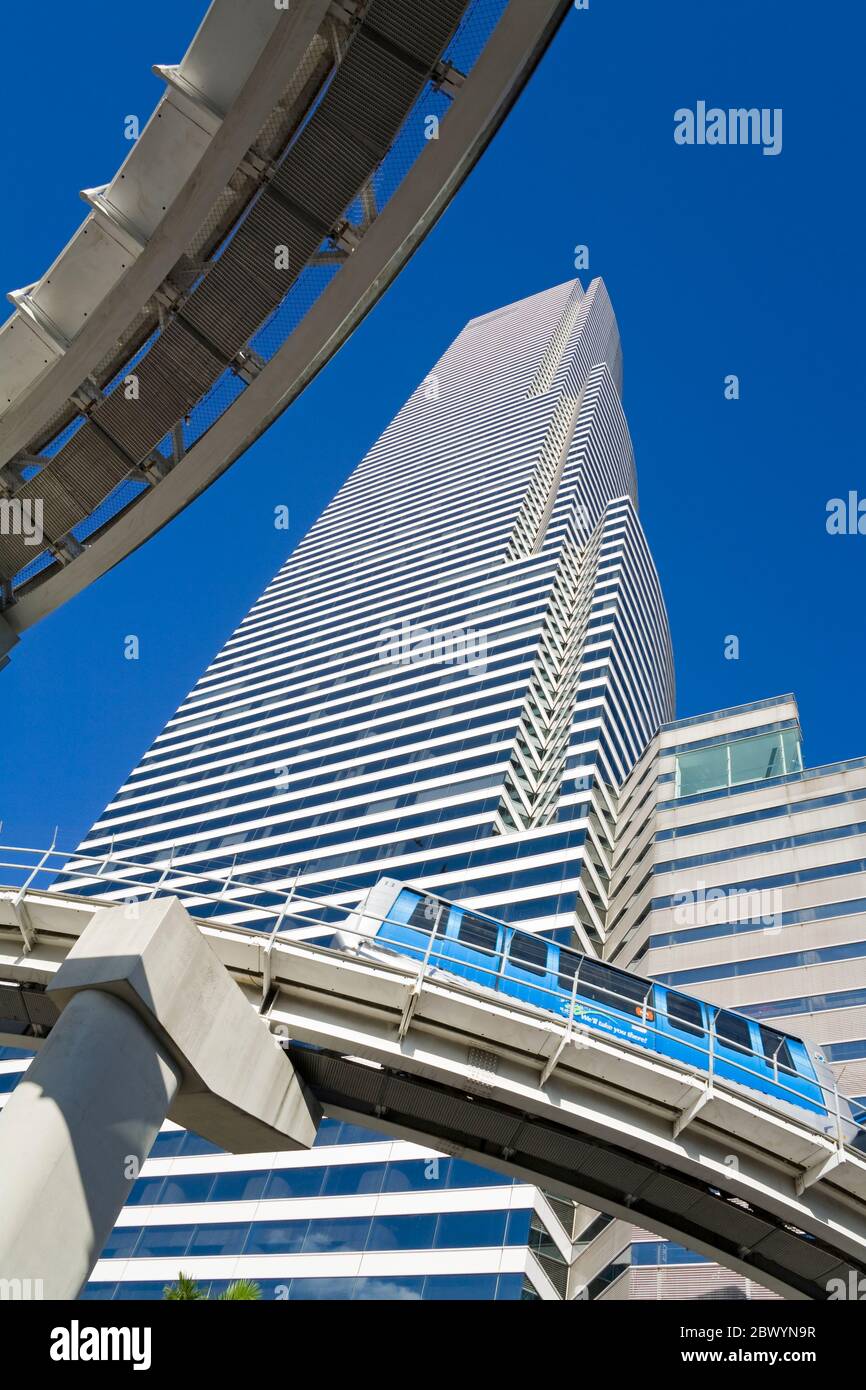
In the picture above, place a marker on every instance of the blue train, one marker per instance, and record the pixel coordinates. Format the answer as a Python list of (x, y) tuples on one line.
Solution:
[(489, 955)]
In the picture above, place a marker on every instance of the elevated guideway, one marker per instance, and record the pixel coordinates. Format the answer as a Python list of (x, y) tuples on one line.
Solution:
[(420, 1055), (298, 157)]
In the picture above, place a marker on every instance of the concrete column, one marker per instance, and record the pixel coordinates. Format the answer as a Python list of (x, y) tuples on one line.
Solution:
[(152, 1023), (73, 1136)]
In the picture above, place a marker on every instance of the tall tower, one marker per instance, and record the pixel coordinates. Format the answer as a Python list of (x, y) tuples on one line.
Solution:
[(447, 682)]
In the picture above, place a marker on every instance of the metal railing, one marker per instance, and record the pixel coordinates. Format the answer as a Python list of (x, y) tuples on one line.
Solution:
[(704, 1043), (296, 919)]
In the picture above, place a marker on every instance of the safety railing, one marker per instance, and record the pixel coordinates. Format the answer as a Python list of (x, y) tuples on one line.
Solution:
[(385, 177), (299, 918), (703, 1043)]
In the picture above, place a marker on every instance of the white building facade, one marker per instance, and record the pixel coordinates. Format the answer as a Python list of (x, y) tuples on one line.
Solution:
[(740, 878), (447, 682)]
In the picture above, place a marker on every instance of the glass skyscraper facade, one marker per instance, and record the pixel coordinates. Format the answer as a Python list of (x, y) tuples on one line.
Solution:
[(447, 682)]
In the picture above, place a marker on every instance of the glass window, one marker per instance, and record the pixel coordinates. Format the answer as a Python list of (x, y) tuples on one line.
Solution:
[(295, 1182), (167, 1144), (328, 1289), (219, 1239), (702, 770), (138, 1291), (468, 1229), (341, 1234), (684, 1013), (194, 1144), (190, 1187), (542, 1242), (475, 931), (529, 952), (344, 1178), (568, 963), (276, 1237), (120, 1243), (753, 759), (792, 751), (238, 1187), (424, 914), (414, 1174), (776, 1048), (144, 1192), (465, 1174), (402, 1232), (328, 1131), (611, 987), (390, 1290), (733, 1031), (517, 1229), (656, 1252), (157, 1241), (339, 1132), (461, 1287), (750, 759)]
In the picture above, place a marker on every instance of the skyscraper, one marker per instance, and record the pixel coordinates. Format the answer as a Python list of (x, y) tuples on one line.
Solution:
[(447, 682), (455, 669)]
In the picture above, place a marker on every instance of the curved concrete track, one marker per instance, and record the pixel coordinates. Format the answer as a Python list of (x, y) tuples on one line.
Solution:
[(296, 160), (590, 1117)]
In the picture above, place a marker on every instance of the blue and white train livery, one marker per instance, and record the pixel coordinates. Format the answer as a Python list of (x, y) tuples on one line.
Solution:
[(489, 955)]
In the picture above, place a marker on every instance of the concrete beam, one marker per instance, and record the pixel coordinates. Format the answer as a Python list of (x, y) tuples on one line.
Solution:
[(511, 54), (238, 1088)]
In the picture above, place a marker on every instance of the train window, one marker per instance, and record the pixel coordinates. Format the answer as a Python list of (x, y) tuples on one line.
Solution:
[(685, 1014), (529, 952), (776, 1048), (425, 914), (475, 931), (733, 1030), (568, 966), (609, 986)]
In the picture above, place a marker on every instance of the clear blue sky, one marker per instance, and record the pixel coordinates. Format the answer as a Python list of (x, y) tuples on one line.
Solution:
[(718, 260)]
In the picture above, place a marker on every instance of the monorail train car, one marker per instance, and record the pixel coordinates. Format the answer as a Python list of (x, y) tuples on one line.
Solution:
[(489, 955)]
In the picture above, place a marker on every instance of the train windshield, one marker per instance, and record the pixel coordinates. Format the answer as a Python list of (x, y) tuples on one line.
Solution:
[(426, 914), (776, 1049)]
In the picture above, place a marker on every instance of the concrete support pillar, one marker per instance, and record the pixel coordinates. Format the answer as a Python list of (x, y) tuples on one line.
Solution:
[(73, 1136), (152, 1024)]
